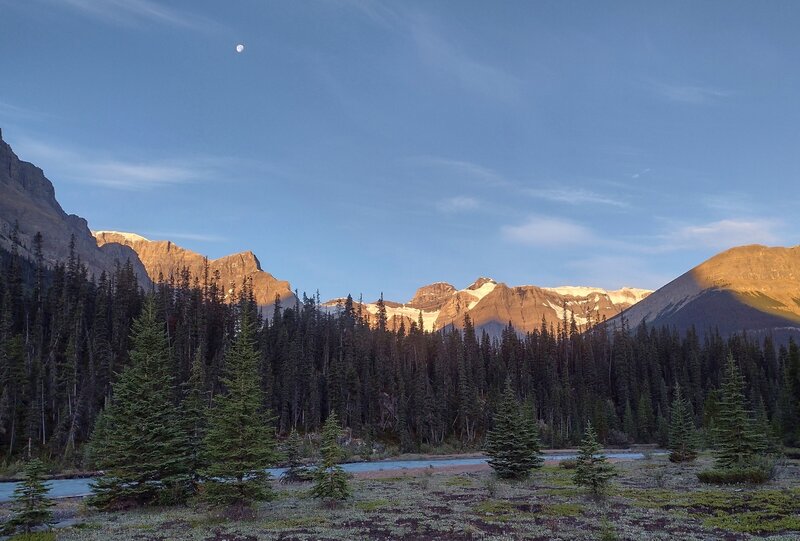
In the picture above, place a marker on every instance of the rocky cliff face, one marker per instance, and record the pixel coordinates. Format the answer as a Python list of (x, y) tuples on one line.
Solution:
[(28, 201), (492, 306), (747, 288), (163, 259)]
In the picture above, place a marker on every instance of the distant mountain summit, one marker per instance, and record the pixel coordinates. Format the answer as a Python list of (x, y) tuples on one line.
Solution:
[(749, 288), (28, 202), (163, 259), (492, 306)]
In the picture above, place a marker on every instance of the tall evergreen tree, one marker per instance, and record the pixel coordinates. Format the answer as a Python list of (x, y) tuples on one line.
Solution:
[(142, 446), (682, 438), (513, 444), (330, 480), (30, 502), (738, 440), (194, 411), (593, 470), (239, 442), (789, 403)]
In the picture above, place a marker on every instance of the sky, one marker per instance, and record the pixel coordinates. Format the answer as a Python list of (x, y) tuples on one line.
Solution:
[(362, 146)]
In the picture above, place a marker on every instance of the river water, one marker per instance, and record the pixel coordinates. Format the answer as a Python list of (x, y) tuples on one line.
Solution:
[(71, 488)]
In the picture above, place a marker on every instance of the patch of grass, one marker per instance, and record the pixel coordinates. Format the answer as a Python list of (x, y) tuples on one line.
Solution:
[(389, 479), (562, 510), (754, 522), (607, 531), (371, 505), (37, 536), (502, 511), (88, 526), (567, 491), (654, 498), (765, 511), (458, 481), (554, 476), (292, 523)]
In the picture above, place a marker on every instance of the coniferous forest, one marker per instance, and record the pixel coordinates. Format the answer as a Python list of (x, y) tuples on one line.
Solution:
[(65, 338)]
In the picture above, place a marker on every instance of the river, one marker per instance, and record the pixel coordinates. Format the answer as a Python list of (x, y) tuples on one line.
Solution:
[(72, 488)]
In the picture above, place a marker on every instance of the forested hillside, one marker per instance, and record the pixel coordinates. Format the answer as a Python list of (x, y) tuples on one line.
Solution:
[(64, 337)]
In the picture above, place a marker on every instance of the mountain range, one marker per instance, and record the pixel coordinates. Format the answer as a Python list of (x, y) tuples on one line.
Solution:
[(752, 288), (492, 306), (164, 259)]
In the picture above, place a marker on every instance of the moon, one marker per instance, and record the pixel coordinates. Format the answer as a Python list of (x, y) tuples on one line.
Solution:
[(239, 48)]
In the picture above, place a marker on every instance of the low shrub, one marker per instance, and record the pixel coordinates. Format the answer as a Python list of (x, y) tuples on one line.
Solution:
[(759, 470), (491, 486), (792, 453), (732, 476)]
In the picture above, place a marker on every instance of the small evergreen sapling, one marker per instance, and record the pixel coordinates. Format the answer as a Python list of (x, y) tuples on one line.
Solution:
[(31, 504), (682, 438), (330, 480), (513, 444), (592, 469), (295, 472)]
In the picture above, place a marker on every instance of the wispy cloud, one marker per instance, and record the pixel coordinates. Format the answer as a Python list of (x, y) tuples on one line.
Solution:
[(200, 237), (375, 10), (115, 173), (475, 75), (462, 168), (548, 232), (615, 271), (689, 94), (136, 12), (723, 234), (456, 204), (575, 196), (8, 110)]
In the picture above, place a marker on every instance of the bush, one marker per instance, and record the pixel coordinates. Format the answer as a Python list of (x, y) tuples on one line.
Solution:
[(568, 464), (792, 453), (732, 476)]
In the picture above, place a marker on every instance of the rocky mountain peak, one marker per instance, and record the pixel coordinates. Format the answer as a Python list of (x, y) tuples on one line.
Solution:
[(28, 201), (163, 258), (432, 296), (477, 284)]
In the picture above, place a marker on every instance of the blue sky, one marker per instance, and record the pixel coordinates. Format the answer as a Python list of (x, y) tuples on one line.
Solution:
[(365, 146)]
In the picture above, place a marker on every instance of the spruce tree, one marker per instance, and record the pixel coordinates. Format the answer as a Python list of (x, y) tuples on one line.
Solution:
[(292, 454), (738, 440), (330, 480), (239, 443), (682, 438), (30, 502), (513, 444), (194, 412), (141, 444), (592, 469)]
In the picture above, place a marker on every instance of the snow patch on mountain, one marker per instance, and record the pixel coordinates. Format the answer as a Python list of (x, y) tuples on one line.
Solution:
[(625, 295), (133, 237), (480, 292)]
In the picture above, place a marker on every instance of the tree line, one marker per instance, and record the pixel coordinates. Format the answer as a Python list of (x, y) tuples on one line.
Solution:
[(65, 338)]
